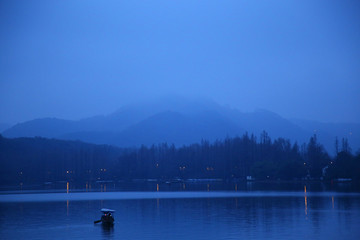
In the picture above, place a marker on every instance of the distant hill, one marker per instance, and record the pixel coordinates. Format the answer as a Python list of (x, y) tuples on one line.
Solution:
[(44, 127), (183, 121), (177, 128)]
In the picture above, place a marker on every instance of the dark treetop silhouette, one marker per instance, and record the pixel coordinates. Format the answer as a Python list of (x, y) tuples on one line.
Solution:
[(39, 160)]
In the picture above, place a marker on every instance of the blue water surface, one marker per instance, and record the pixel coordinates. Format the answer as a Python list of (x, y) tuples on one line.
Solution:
[(200, 214)]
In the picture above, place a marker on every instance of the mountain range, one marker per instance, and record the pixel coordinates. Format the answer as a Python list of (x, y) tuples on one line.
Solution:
[(183, 121)]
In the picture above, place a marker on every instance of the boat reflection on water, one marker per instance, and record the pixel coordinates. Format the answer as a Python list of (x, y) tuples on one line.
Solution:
[(107, 229), (107, 220)]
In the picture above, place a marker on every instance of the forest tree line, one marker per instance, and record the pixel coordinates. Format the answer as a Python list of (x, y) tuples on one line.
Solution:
[(39, 160), (238, 158)]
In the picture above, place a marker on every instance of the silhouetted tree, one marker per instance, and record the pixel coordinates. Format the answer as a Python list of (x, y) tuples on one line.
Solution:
[(317, 158)]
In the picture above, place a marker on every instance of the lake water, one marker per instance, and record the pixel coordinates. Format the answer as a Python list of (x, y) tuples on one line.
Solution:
[(184, 211)]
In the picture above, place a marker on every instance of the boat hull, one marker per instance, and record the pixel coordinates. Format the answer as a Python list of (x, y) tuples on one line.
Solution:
[(107, 219)]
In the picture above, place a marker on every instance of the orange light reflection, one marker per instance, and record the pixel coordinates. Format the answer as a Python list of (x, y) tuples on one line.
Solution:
[(67, 207)]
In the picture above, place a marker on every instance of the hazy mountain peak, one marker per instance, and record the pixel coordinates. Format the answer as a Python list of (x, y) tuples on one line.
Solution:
[(181, 120), (179, 104), (266, 112)]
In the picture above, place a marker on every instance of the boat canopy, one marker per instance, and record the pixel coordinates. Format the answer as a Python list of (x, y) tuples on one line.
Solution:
[(106, 210)]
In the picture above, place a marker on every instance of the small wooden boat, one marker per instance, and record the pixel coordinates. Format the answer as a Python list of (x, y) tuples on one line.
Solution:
[(107, 217)]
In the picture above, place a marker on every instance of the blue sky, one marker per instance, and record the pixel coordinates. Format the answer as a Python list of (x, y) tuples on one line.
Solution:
[(74, 59)]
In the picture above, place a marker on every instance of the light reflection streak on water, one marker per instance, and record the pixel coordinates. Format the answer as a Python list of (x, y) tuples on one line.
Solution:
[(67, 207), (67, 187), (306, 207), (332, 202)]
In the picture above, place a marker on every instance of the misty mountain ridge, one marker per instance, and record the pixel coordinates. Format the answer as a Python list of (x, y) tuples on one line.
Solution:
[(179, 121), (4, 126)]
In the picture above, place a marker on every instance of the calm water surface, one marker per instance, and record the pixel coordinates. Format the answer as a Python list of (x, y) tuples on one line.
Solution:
[(234, 213)]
